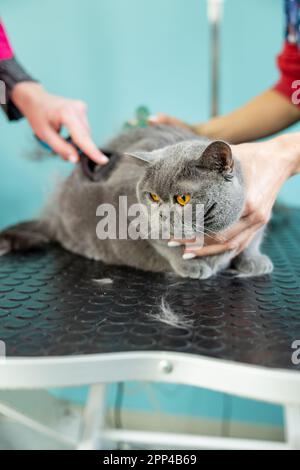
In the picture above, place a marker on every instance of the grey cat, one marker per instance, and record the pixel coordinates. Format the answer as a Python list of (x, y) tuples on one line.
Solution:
[(157, 165)]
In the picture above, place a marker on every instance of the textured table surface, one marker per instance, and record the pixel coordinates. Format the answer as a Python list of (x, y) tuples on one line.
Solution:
[(50, 305)]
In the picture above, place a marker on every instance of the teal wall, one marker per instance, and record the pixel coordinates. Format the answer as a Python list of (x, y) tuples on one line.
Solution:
[(184, 401), (116, 55)]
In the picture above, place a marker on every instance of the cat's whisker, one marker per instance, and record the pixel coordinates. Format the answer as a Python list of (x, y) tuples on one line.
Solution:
[(217, 237), (213, 235)]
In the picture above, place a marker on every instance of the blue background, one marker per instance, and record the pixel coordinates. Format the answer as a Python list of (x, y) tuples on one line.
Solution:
[(116, 55)]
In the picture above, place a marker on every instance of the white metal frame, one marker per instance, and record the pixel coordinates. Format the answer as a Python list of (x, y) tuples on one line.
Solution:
[(267, 384)]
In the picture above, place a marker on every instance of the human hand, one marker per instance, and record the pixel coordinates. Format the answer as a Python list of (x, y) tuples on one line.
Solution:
[(161, 118), (46, 115), (266, 166)]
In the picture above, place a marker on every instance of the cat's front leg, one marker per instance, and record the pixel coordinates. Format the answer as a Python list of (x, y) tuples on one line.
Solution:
[(197, 268), (249, 265), (192, 268)]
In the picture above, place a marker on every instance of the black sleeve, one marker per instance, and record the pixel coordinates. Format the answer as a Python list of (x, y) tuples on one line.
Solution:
[(11, 73)]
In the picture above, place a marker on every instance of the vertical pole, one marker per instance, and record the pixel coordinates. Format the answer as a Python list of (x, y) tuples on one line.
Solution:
[(215, 69), (215, 13)]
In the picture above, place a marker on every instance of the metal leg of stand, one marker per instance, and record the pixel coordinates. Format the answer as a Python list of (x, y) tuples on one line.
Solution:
[(93, 421), (292, 426)]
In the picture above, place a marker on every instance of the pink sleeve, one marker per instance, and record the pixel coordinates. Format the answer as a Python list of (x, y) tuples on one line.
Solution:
[(6, 51)]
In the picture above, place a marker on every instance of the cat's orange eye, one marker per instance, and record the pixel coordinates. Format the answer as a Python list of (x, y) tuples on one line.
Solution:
[(154, 197), (183, 199)]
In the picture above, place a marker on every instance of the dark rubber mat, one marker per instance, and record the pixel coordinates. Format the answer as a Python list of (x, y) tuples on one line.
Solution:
[(51, 305)]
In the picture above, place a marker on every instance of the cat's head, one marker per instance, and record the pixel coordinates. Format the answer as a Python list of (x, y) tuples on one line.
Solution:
[(193, 173)]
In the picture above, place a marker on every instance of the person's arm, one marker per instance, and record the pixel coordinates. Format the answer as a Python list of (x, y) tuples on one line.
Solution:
[(272, 111), (263, 116), (11, 73), (46, 113)]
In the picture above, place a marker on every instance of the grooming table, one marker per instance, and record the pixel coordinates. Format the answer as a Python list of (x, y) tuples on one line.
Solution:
[(62, 328)]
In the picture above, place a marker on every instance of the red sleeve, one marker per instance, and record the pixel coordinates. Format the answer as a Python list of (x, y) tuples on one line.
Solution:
[(6, 51), (288, 63)]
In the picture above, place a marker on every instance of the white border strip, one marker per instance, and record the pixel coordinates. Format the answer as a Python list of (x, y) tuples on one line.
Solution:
[(267, 384)]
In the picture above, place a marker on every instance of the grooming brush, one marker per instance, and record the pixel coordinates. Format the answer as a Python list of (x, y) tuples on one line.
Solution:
[(90, 169)]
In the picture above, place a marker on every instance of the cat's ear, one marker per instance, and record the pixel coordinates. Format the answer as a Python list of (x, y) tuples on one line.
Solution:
[(217, 156), (143, 156)]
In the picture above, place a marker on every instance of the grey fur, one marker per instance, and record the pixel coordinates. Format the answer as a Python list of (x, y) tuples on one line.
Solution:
[(168, 161)]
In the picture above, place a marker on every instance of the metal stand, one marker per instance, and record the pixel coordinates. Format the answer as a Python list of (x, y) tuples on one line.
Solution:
[(292, 426), (278, 386), (215, 13), (93, 420)]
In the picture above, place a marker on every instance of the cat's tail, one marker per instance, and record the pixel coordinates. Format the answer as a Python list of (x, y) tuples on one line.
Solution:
[(25, 236)]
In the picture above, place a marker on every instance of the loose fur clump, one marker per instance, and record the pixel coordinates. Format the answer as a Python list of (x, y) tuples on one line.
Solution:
[(169, 317), (105, 281)]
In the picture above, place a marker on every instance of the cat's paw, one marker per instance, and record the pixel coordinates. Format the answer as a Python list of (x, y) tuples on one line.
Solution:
[(253, 266), (194, 269)]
